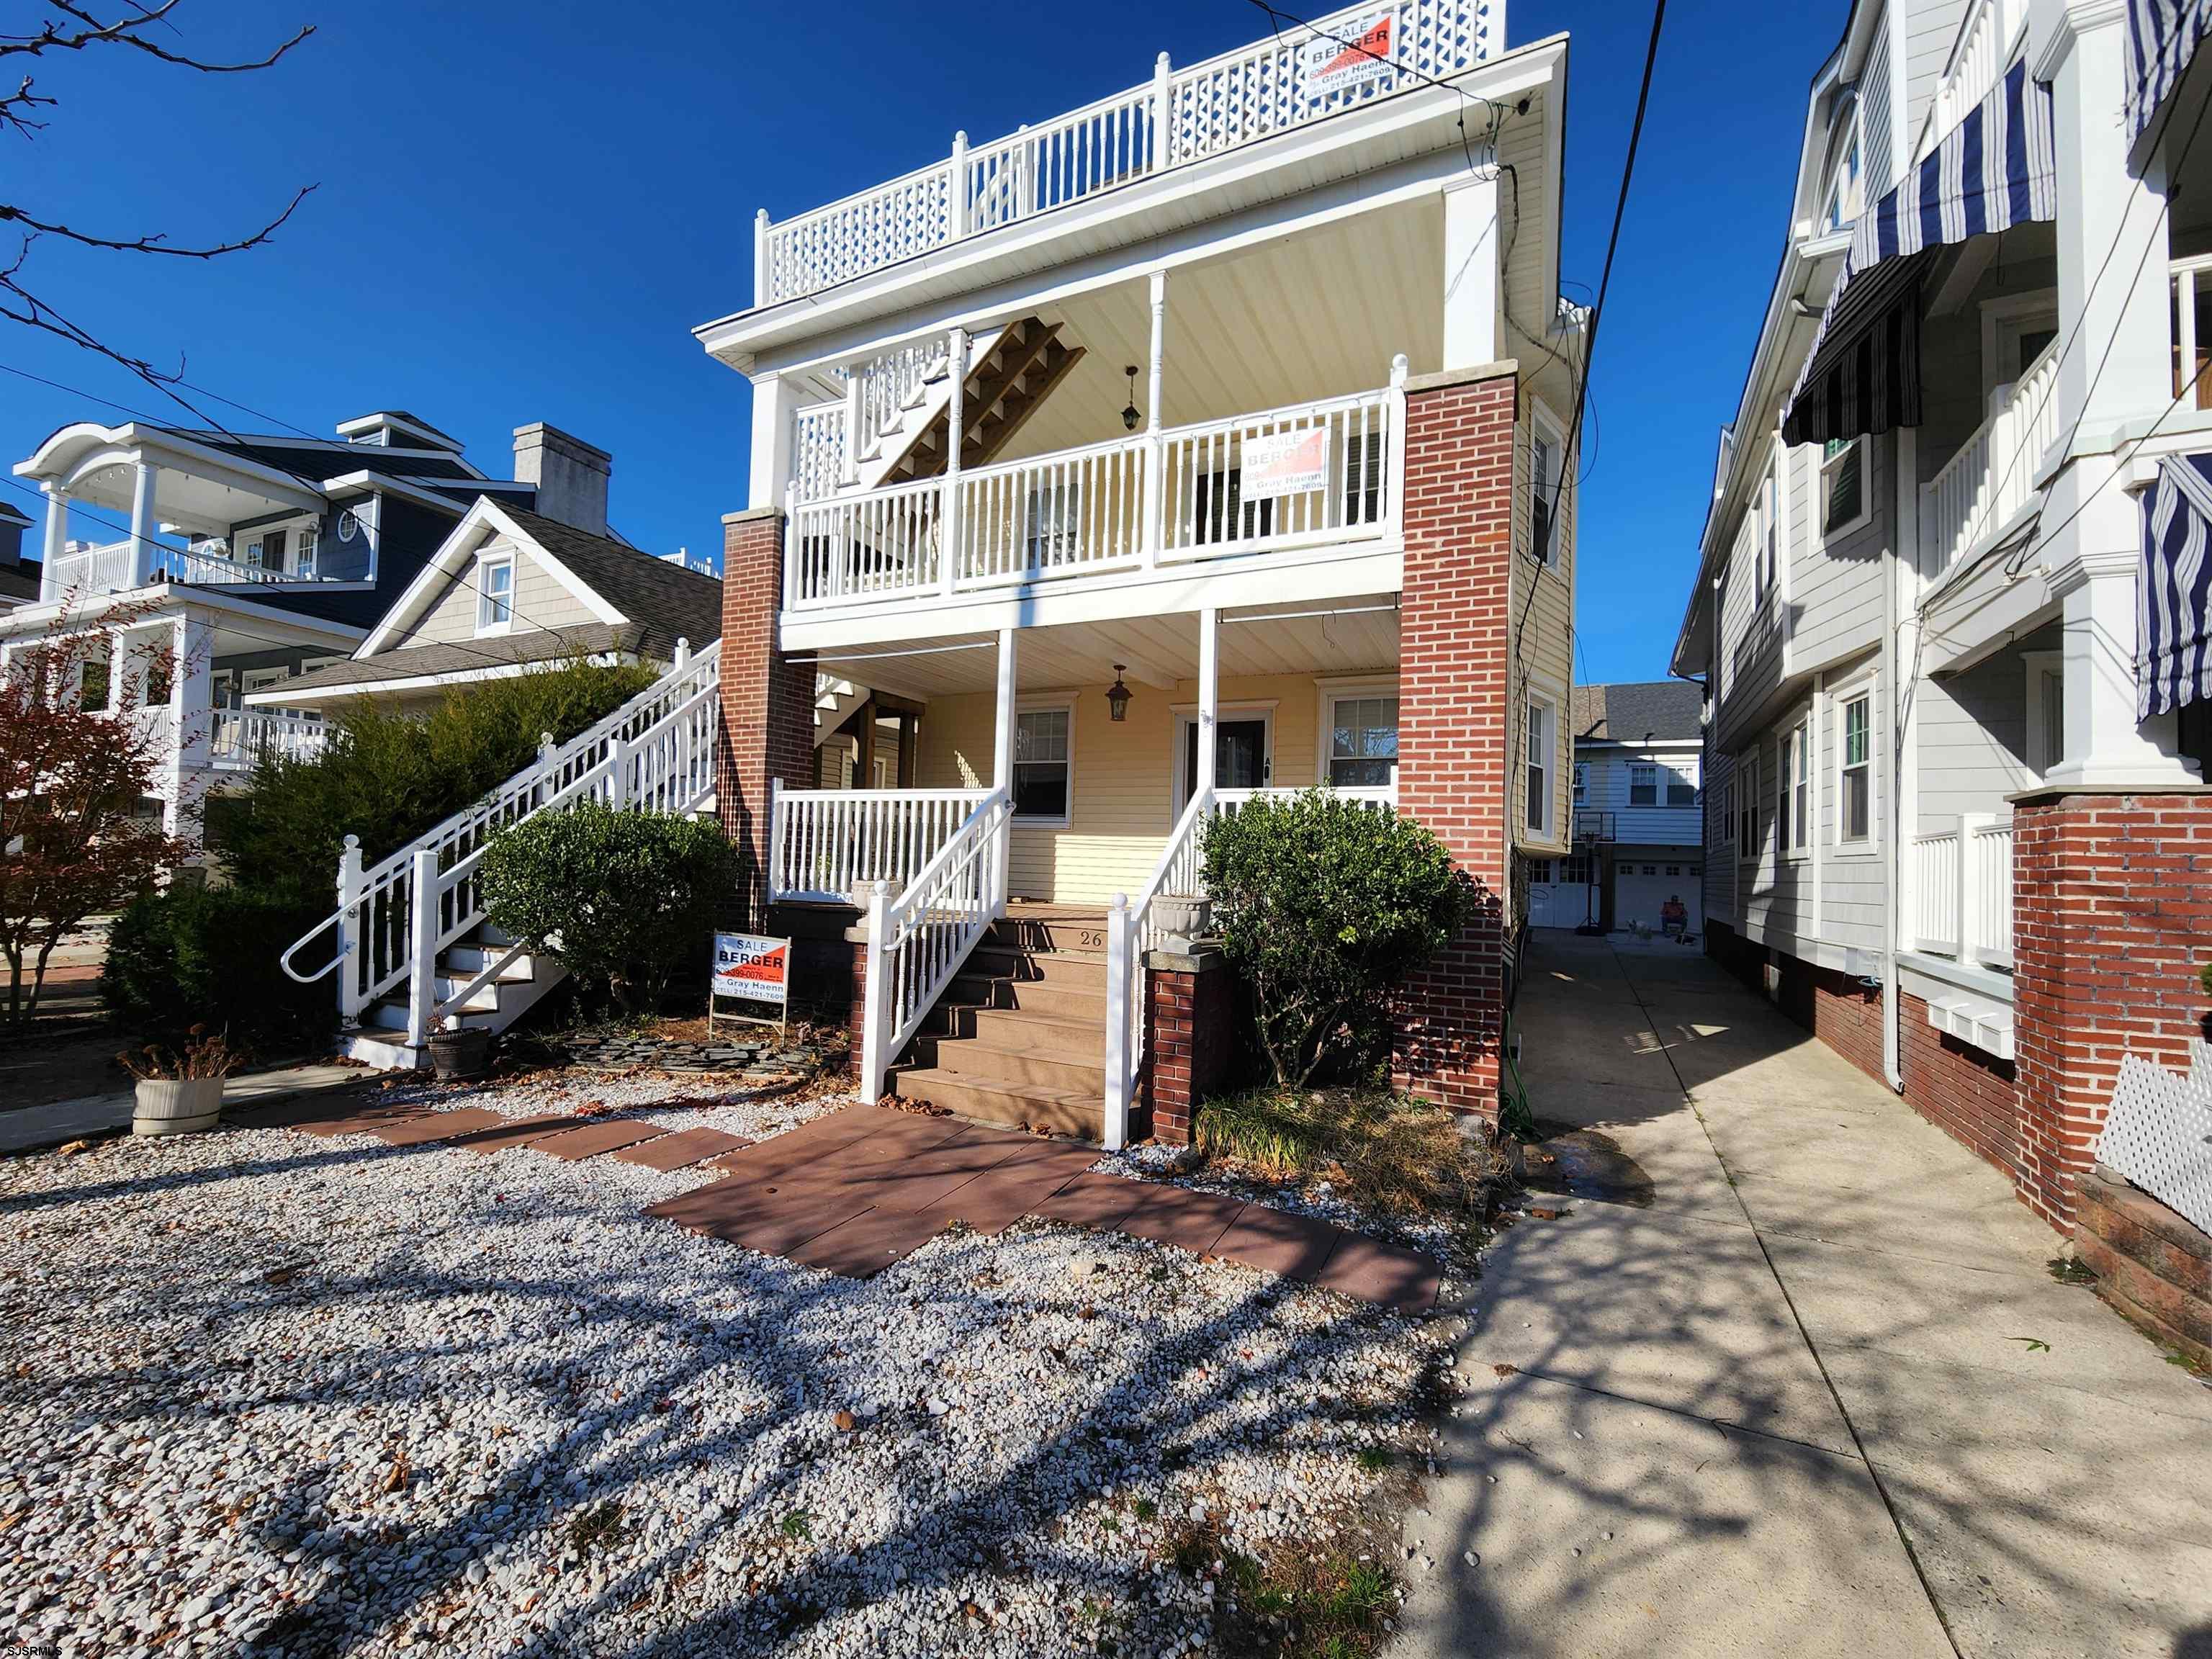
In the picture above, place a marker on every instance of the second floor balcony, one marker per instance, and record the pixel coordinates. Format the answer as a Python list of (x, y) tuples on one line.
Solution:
[(88, 569)]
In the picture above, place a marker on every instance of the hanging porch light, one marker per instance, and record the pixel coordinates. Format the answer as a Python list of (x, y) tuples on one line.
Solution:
[(1117, 694), (1129, 416)]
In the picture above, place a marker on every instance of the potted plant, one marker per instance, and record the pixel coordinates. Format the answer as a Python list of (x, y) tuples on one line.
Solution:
[(1184, 916), (460, 1054), (179, 1091)]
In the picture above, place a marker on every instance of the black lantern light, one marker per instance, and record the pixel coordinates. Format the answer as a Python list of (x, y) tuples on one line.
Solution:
[(1117, 694), (1129, 416)]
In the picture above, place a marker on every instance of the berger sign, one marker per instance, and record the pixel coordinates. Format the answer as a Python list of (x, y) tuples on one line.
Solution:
[(752, 970), (1285, 464), (1348, 58)]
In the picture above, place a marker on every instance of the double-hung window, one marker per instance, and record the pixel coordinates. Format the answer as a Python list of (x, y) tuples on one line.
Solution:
[(1682, 786), (1642, 785), (1843, 485), (1724, 814), (1546, 476), (494, 595), (1854, 771), (1795, 802), (1770, 531), (1539, 734), (1747, 803), (1363, 741), (1582, 782), (1042, 763)]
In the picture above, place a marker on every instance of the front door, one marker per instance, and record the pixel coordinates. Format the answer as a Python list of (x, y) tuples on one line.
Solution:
[(1240, 757)]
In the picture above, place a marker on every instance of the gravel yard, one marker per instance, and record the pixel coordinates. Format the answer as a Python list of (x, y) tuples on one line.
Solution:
[(276, 1394)]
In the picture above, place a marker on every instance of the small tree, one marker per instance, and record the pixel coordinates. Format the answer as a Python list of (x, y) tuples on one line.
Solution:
[(72, 842), (625, 899), (1323, 906)]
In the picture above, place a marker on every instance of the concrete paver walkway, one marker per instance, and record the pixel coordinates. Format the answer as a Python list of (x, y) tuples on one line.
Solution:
[(31, 1129), (1821, 1396)]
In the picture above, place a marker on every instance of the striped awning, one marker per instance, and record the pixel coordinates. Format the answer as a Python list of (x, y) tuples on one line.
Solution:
[(2162, 37), (1996, 169), (2173, 596)]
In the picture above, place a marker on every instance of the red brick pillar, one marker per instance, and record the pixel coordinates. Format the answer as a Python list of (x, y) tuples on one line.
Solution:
[(1189, 1034), (1453, 643), (768, 699), (2111, 918)]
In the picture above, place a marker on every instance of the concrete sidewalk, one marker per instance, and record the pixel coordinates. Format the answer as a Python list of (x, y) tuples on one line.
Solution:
[(1820, 1396), (33, 1128)]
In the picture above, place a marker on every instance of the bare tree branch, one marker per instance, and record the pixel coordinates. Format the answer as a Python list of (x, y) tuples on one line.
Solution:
[(157, 242), (34, 313), (123, 32)]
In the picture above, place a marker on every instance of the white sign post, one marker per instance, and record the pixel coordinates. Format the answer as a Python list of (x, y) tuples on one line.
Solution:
[(756, 973)]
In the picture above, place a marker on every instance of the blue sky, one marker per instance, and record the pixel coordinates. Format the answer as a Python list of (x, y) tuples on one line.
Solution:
[(522, 211)]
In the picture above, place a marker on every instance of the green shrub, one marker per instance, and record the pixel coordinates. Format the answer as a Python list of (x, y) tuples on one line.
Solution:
[(1323, 906), (192, 955), (388, 777), (631, 897)]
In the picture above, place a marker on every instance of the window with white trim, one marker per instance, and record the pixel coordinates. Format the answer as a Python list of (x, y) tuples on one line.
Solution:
[(1855, 770), (1363, 741), (1770, 531), (309, 545), (1582, 782), (1575, 870), (1546, 476), (1540, 734), (1724, 813), (1043, 763), (1747, 803), (1539, 872), (1642, 785), (1844, 198), (1843, 485), (1795, 802), (1682, 785), (494, 595)]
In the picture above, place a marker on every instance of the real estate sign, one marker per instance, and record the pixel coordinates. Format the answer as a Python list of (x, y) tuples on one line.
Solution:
[(1284, 463), (1348, 56), (752, 970)]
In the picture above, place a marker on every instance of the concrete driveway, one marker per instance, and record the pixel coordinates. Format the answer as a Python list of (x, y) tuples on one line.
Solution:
[(1818, 1394)]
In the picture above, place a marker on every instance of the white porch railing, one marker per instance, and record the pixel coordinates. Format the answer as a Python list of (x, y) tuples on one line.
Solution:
[(1993, 476), (829, 844), (917, 940), (108, 567), (1962, 891), (2191, 280), (818, 450), (655, 752), (1132, 929), (239, 738), (1979, 57), (1185, 493), (1178, 117), (112, 567)]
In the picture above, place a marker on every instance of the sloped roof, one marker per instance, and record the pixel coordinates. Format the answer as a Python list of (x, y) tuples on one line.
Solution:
[(1657, 711), (668, 601), (476, 656)]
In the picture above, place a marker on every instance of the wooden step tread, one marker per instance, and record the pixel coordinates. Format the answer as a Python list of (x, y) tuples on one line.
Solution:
[(1064, 1110)]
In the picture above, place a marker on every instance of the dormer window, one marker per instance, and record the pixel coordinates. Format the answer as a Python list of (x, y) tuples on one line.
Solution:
[(494, 596), (1844, 197)]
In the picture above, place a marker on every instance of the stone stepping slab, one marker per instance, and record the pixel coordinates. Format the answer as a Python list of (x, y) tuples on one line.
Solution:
[(357, 1120), (436, 1126), (1181, 1216), (680, 1151), (515, 1131), (592, 1139)]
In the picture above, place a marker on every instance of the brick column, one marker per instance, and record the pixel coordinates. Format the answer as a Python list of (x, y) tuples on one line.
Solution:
[(1453, 645), (1189, 1037), (2112, 917), (768, 699)]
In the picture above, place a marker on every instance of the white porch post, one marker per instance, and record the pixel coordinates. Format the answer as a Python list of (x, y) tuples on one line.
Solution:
[(50, 577), (141, 524), (2105, 746), (1209, 697), (191, 716), (352, 930), (1002, 756), (1156, 494), (875, 1027), (1471, 263), (422, 950), (1123, 978), (956, 426), (773, 408)]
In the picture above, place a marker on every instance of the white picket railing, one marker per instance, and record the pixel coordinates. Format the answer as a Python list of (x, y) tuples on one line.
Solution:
[(108, 567), (239, 738), (1960, 891), (917, 939), (656, 751), (1993, 476), (1132, 929), (1979, 57), (1295, 76), (1185, 493), (829, 845)]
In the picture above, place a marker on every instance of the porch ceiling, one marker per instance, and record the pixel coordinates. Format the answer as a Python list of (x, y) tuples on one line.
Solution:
[(1347, 637)]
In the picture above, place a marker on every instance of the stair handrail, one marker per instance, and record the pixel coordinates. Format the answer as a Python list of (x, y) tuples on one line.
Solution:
[(380, 899), (1129, 934), (917, 940)]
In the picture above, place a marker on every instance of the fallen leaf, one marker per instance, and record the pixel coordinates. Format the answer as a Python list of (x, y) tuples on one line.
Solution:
[(1503, 1370), (281, 1275), (845, 1421)]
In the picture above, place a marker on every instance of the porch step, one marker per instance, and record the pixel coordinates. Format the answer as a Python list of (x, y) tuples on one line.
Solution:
[(1038, 996), (1077, 970), (493, 1006), (1031, 1105), (1012, 1063), (1082, 936)]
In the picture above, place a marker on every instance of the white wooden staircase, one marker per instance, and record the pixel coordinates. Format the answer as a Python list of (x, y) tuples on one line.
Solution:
[(900, 410)]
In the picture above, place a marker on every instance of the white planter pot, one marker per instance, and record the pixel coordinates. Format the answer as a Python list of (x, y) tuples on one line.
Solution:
[(177, 1106)]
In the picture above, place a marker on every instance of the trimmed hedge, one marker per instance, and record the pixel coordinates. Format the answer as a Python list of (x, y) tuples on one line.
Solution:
[(193, 955)]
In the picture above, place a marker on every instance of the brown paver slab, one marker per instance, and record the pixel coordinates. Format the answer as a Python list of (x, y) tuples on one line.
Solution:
[(928, 1178), (1014, 1187), (1194, 1221), (515, 1131), (779, 1223), (1277, 1242), (435, 1126), (870, 1242), (1093, 1201), (680, 1151), (289, 1114), (1403, 1280), (907, 1137), (355, 1119), (596, 1138), (780, 1154)]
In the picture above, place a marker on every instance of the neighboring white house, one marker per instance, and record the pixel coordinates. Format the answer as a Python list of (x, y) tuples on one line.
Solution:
[(1946, 612), (1638, 821)]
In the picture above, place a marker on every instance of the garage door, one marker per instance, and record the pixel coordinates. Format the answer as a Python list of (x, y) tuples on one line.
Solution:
[(1643, 883)]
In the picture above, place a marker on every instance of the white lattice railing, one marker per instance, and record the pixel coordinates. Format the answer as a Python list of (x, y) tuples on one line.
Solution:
[(830, 844), (1330, 474), (1979, 57), (885, 390), (1993, 476), (917, 939), (818, 453), (1295, 76), (1960, 891), (656, 753), (239, 738)]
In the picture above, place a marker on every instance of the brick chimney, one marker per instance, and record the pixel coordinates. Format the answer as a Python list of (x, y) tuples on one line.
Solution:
[(571, 476)]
